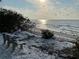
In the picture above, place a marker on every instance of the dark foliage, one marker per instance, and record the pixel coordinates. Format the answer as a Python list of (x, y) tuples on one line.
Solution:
[(10, 20), (47, 34), (28, 25)]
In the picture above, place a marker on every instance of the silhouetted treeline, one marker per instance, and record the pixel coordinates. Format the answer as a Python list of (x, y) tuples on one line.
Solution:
[(10, 20)]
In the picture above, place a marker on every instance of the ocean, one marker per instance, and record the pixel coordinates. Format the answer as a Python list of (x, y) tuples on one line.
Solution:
[(65, 26)]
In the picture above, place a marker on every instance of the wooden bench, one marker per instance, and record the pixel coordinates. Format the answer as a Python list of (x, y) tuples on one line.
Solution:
[(12, 39), (18, 41)]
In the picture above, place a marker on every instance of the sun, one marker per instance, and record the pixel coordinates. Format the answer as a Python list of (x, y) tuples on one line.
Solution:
[(42, 1)]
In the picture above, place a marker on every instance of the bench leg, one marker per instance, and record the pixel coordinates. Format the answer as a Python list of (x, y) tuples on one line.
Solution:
[(14, 45), (8, 44), (21, 46), (4, 41)]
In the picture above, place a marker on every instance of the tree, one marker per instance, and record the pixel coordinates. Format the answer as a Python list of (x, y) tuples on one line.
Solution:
[(10, 20)]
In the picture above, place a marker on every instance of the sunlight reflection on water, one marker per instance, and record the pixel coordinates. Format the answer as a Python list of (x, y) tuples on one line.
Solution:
[(42, 23)]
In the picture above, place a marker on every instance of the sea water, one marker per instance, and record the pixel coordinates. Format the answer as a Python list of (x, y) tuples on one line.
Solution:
[(66, 26)]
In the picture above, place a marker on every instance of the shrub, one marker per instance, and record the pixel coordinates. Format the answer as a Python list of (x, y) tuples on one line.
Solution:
[(46, 34), (77, 43), (10, 20), (76, 49)]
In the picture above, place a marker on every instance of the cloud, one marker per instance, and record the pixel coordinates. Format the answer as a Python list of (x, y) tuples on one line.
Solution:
[(49, 10), (25, 12), (52, 11)]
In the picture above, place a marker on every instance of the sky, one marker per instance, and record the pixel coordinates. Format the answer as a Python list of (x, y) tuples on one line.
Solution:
[(44, 9)]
